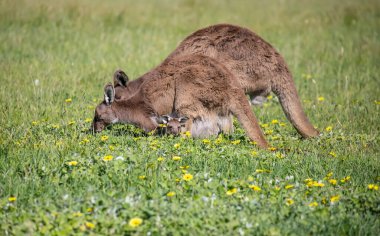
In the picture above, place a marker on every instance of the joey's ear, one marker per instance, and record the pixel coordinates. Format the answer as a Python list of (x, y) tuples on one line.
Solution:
[(109, 94), (183, 119), (162, 119), (120, 78)]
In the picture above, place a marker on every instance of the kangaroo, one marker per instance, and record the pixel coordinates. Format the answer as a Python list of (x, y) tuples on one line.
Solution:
[(195, 86), (172, 123), (258, 67)]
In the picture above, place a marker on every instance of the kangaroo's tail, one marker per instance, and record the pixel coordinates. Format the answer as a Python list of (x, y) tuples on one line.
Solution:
[(290, 102)]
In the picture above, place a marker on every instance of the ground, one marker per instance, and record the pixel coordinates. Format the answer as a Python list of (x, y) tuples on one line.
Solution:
[(56, 178)]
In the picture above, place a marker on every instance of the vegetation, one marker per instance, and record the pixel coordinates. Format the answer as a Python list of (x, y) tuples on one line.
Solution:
[(57, 179)]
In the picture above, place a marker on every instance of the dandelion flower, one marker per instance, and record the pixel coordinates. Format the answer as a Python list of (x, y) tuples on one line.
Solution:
[(282, 124), (187, 177), (55, 126), (268, 132), (231, 191), (255, 188), (334, 199), (160, 159), (206, 141), (135, 222), (89, 225), (328, 128), (107, 158), (69, 100), (188, 134), (77, 214), (170, 194), (72, 163), (274, 122), (176, 158), (142, 177), (12, 199), (313, 204), (333, 154), (71, 122), (235, 142), (254, 153), (321, 99), (280, 155), (177, 145), (373, 187), (345, 179), (265, 125), (272, 149), (333, 181), (289, 186), (104, 138), (88, 120), (289, 201)]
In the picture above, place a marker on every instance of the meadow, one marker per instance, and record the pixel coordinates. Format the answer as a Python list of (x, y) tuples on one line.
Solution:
[(56, 178)]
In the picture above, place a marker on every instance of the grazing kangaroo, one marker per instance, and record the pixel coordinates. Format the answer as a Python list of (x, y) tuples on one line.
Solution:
[(257, 66), (195, 86)]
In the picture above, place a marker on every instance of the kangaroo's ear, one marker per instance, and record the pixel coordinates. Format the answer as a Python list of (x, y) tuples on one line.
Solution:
[(162, 119), (183, 119), (109, 94), (120, 78)]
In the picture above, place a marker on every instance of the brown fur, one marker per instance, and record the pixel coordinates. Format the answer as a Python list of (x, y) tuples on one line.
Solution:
[(195, 86), (258, 67)]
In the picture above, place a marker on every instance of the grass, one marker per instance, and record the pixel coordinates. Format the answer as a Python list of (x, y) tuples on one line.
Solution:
[(57, 179)]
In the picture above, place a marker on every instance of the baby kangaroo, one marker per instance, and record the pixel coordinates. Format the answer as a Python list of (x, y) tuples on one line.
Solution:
[(171, 124), (257, 66), (194, 86)]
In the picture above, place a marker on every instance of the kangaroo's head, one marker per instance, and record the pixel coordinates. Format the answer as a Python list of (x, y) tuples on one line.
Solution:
[(173, 123), (104, 113)]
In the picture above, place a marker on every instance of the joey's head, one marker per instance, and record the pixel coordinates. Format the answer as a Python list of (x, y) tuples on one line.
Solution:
[(104, 113), (173, 123), (120, 80)]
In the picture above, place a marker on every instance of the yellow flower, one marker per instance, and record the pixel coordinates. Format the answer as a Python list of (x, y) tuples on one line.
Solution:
[(170, 194), (184, 167), (272, 149), (318, 184), (235, 142), (77, 214), (333, 154), (231, 191), (282, 124), (177, 145), (274, 122), (206, 141), (377, 102), (89, 225), (254, 153), (68, 100), (328, 128), (313, 204), (55, 126), (289, 186), (111, 147), (270, 97), (268, 132), (35, 123), (104, 138), (289, 201), (321, 99), (188, 134), (329, 175), (332, 181), (280, 155), (277, 188), (253, 142), (373, 187), (72, 163), (334, 199), (160, 159), (135, 222), (187, 177), (90, 209), (264, 125), (308, 180), (255, 188), (88, 120), (12, 199), (176, 158), (107, 158), (345, 179), (84, 141), (71, 122), (259, 171), (142, 177)]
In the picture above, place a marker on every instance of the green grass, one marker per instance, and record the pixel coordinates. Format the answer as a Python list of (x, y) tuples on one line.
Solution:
[(51, 51)]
